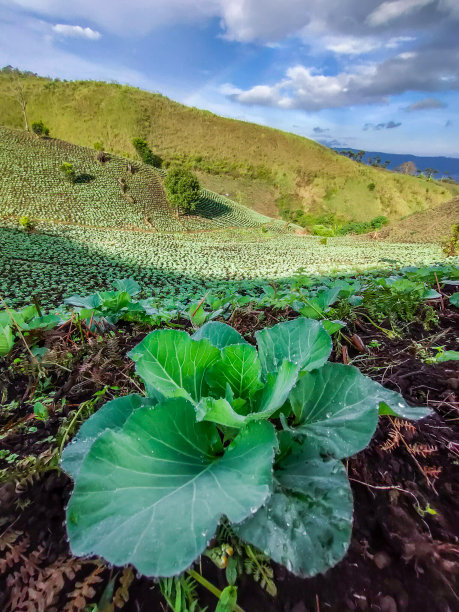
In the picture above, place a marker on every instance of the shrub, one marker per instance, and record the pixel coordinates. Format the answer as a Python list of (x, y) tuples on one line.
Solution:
[(322, 230), (146, 154), (26, 223), (182, 189), (451, 245), (371, 186), (362, 227), (68, 172), (40, 129), (98, 146), (378, 222)]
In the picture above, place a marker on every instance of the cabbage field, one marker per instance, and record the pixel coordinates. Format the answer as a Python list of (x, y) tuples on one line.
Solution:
[(56, 261), (32, 184), (211, 412)]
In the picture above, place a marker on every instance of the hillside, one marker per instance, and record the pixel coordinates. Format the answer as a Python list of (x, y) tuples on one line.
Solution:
[(32, 184), (295, 172), (427, 226)]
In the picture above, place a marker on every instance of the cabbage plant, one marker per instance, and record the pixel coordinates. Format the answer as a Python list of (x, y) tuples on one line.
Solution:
[(256, 435)]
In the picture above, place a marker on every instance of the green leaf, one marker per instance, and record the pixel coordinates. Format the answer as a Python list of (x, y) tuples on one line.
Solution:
[(129, 285), (392, 403), (46, 322), (228, 600), (276, 391), (306, 524), (218, 411), (331, 327), (301, 341), (231, 572), (335, 407), (6, 340), (454, 299), (431, 294), (240, 368), (219, 334), (170, 362), (89, 301), (112, 416), (197, 314), (447, 356), (115, 300), (152, 494), (40, 411)]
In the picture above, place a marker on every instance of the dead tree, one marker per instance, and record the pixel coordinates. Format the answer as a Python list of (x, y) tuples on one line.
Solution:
[(21, 98), (123, 184)]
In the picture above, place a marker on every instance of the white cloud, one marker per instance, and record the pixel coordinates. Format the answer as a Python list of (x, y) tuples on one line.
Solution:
[(41, 55), (394, 9), (425, 104), (395, 42), (371, 83), (351, 45), (75, 31), (407, 55), (124, 17), (265, 20)]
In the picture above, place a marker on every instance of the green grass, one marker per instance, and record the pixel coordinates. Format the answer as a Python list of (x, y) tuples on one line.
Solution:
[(319, 179)]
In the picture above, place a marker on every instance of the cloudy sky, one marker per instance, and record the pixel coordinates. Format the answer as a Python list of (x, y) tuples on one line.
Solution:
[(368, 74)]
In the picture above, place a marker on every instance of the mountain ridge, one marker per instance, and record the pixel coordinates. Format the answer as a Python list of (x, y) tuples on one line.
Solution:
[(442, 163)]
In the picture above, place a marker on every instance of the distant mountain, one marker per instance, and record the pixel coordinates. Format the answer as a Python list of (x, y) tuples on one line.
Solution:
[(444, 165)]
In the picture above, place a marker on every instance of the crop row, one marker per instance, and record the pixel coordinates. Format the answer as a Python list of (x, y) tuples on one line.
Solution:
[(60, 261)]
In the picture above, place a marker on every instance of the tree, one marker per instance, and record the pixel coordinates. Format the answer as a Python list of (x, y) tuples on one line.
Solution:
[(146, 154), (407, 167), (182, 189), (429, 172), (40, 129), (19, 91), (68, 172)]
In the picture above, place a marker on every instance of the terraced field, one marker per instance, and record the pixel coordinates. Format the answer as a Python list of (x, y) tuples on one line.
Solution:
[(32, 184)]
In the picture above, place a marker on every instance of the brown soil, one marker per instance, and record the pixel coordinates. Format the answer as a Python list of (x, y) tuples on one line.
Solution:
[(405, 544)]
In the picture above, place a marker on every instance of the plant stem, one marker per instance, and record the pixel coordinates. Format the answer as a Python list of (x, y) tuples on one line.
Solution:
[(210, 587), (388, 332), (77, 414)]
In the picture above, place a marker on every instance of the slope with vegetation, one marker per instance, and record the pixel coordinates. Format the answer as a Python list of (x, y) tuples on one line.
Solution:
[(426, 226), (299, 173), (51, 180)]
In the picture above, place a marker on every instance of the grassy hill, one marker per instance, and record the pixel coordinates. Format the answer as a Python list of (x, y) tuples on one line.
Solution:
[(426, 226), (256, 165), (32, 184)]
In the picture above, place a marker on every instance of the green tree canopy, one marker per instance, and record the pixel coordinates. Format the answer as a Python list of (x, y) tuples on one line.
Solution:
[(182, 189), (146, 154)]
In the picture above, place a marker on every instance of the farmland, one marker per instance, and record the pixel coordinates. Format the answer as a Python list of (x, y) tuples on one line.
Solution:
[(60, 260), (31, 184), (214, 406)]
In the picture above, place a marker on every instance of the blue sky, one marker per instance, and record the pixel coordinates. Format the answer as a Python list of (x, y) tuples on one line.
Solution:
[(374, 75)]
